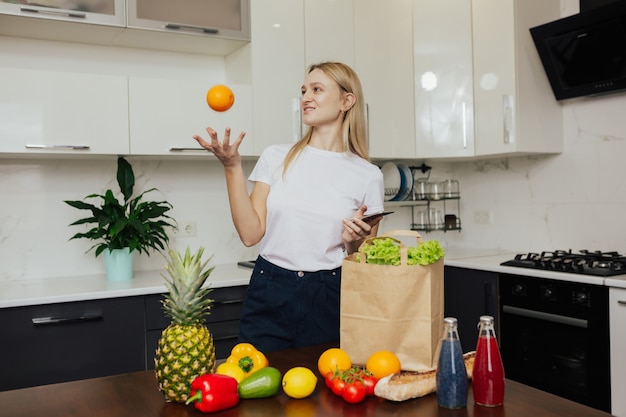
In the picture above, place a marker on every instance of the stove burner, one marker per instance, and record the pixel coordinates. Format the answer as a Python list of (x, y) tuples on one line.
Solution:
[(585, 262)]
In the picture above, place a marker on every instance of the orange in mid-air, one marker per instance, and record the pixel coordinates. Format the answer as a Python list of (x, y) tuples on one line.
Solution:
[(220, 97)]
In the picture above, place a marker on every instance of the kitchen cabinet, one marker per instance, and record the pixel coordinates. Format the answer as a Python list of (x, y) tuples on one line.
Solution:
[(329, 31), (444, 98), (480, 87), (212, 27), (97, 12), (274, 66), (165, 114), (383, 60), (515, 111), (223, 322), (200, 24), (469, 294), (50, 112), (52, 343), (617, 324)]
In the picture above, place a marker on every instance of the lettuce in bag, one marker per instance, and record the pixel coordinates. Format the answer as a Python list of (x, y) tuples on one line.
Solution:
[(385, 251)]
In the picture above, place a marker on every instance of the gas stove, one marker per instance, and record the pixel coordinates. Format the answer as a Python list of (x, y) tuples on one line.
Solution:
[(585, 262)]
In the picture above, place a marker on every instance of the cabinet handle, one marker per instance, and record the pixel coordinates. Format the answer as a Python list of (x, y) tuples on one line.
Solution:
[(175, 26), (175, 149), (539, 315), (72, 147), (508, 115), (296, 119), (228, 302), (64, 13), (621, 302), (44, 321), (232, 336), (464, 121)]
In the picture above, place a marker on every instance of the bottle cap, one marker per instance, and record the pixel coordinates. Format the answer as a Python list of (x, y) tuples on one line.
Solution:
[(486, 319), (450, 320)]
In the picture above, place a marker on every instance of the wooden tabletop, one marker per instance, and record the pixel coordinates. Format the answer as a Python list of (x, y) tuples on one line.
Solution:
[(136, 395)]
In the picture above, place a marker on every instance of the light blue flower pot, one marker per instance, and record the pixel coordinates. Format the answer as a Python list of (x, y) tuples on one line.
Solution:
[(118, 264)]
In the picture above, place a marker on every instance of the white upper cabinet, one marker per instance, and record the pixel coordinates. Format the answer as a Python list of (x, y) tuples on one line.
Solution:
[(215, 27), (104, 12), (47, 112), (374, 38), (383, 59), (211, 27), (273, 64), (515, 111), (165, 114), (329, 31), (444, 100)]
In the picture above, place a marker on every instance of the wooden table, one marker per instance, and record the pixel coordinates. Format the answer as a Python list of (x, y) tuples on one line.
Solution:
[(136, 395)]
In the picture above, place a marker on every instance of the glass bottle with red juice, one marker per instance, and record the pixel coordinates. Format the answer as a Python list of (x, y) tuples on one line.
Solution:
[(488, 372)]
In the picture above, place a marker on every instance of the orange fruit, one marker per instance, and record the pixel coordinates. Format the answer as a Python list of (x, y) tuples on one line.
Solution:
[(333, 359), (220, 98), (383, 363)]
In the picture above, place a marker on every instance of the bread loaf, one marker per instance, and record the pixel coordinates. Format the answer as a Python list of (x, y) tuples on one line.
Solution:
[(405, 385)]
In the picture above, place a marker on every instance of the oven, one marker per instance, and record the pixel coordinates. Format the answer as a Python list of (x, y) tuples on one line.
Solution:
[(554, 333)]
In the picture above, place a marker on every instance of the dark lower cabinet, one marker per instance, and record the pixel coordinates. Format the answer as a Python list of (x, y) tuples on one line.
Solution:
[(469, 294), (52, 343)]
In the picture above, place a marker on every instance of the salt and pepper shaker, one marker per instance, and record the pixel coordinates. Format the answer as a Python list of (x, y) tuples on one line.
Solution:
[(451, 372), (488, 372)]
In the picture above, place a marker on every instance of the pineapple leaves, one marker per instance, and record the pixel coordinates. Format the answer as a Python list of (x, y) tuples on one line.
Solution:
[(134, 223), (186, 302)]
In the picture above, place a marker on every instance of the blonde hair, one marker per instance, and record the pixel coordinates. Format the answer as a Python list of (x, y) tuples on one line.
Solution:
[(354, 124)]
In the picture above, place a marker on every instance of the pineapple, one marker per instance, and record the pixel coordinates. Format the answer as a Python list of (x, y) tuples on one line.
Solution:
[(186, 348)]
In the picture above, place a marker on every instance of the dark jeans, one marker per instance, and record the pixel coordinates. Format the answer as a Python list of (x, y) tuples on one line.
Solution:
[(284, 309)]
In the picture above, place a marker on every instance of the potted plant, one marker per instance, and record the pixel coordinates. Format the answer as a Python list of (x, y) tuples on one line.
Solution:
[(121, 228)]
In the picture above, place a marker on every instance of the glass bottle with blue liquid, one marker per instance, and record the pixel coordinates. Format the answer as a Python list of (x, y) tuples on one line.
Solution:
[(451, 372)]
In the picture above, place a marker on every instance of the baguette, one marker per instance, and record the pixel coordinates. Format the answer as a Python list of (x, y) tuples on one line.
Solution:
[(405, 385)]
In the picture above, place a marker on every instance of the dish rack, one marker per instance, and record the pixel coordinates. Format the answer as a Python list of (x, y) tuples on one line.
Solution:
[(431, 210)]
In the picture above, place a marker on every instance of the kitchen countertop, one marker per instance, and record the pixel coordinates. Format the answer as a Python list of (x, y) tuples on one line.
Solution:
[(15, 293), (136, 395)]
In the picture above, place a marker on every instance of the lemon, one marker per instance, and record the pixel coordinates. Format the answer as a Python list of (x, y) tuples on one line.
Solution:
[(231, 369), (299, 382)]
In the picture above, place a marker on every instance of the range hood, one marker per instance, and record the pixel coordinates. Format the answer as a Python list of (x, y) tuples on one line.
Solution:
[(585, 54)]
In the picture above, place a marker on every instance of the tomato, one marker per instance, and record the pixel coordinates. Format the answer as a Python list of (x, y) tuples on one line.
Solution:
[(328, 379), (370, 383), (338, 386), (354, 392)]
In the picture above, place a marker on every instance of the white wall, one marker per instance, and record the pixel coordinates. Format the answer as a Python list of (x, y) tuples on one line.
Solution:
[(573, 200)]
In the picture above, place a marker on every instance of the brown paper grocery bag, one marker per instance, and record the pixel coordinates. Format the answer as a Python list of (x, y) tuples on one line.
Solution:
[(396, 308)]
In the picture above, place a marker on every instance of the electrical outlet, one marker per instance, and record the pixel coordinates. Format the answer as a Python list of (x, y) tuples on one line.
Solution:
[(483, 217), (186, 229)]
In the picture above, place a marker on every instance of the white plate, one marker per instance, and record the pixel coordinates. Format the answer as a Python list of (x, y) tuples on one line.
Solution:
[(392, 179)]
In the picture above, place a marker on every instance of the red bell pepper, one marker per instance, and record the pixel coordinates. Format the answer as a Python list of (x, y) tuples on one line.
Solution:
[(213, 392)]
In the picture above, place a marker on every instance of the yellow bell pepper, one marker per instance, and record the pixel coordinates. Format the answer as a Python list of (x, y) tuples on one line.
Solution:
[(247, 357)]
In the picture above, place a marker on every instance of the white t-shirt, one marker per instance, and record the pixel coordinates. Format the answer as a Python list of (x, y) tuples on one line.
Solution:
[(306, 208)]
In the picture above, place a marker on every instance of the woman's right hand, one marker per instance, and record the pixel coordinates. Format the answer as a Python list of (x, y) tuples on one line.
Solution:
[(227, 154)]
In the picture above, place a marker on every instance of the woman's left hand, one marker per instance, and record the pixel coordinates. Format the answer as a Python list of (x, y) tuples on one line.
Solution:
[(356, 231)]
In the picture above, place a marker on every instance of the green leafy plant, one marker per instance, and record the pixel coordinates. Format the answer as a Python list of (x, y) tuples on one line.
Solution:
[(133, 223)]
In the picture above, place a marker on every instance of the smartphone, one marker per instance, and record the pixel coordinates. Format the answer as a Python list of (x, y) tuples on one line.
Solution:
[(370, 217)]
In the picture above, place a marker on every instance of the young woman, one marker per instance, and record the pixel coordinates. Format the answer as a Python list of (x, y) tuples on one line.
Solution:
[(304, 208)]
